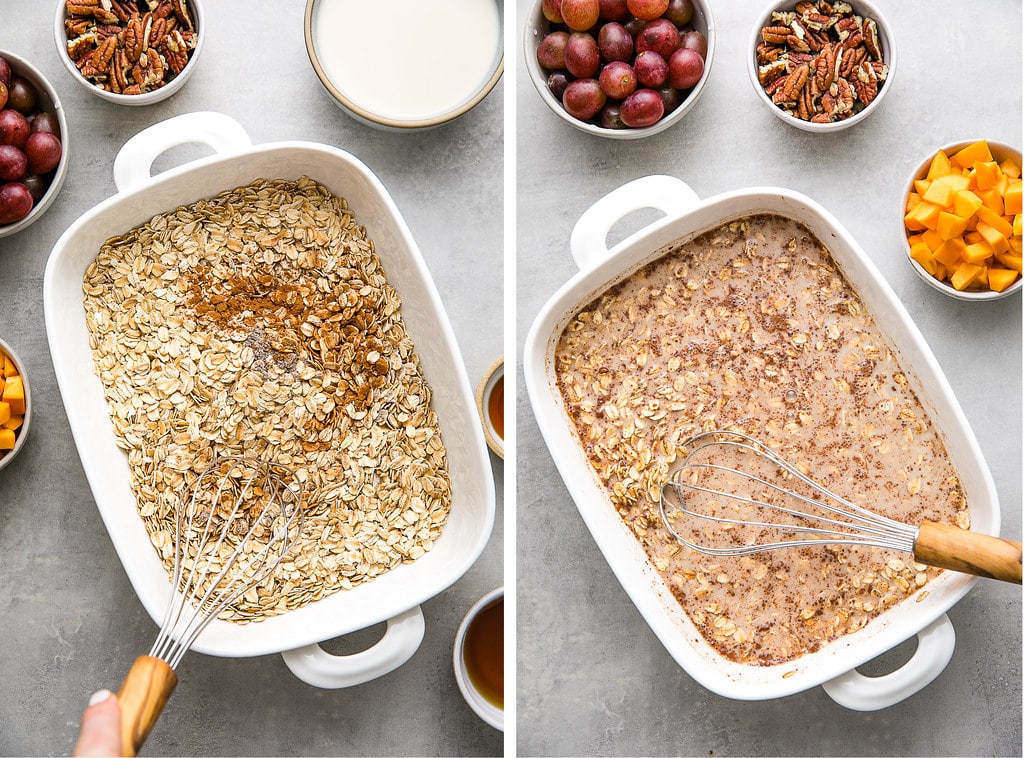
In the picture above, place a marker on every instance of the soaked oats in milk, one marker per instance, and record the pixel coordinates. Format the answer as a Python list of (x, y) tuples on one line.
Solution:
[(752, 327)]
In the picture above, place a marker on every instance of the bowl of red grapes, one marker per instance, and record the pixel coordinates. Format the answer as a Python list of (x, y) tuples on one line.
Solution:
[(620, 68), (33, 153)]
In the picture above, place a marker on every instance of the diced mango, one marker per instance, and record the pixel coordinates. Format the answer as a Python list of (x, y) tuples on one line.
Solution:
[(993, 237), (949, 252), (1010, 169), (965, 157), (950, 225), (976, 252), (7, 439), (965, 203), (14, 394), (995, 220), (1010, 260), (940, 165), (992, 200), (1001, 278), (986, 174), (940, 193), (9, 368), (924, 215), (14, 423), (1012, 198), (5, 412), (932, 239), (963, 219), (965, 275)]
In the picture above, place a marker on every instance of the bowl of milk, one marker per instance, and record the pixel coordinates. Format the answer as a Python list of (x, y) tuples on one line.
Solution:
[(406, 64)]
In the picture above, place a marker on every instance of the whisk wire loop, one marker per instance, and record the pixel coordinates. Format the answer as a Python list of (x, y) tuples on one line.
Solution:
[(204, 582), (848, 524)]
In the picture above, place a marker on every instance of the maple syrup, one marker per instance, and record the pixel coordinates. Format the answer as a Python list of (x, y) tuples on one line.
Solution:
[(496, 406), (484, 652)]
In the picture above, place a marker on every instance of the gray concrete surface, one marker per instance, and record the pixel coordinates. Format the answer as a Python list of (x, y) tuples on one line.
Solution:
[(69, 620), (592, 678)]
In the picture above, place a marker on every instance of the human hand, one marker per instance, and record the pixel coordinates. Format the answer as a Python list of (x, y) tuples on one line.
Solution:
[(100, 735)]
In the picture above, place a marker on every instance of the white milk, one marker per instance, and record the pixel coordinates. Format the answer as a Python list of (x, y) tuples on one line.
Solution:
[(408, 59)]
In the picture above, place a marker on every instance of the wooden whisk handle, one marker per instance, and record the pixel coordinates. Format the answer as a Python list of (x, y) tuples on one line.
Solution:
[(949, 547), (143, 695)]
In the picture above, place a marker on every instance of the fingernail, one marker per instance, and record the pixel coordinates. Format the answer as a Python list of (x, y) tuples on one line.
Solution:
[(99, 696)]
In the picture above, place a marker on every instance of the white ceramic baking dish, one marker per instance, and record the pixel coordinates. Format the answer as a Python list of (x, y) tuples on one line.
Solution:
[(393, 597), (833, 667)]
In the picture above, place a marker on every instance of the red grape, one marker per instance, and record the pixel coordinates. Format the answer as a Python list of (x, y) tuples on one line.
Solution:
[(617, 80), (685, 68), (647, 9), (671, 98), (679, 12), (580, 15), (43, 151), (557, 83), (45, 122), (5, 71), (37, 185), (615, 43), (642, 108), (610, 117), (694, 40), (659, 35), (581, 55), (15, 202), (21, 95), (13, 163), (613, 10), (14, 128), (552, 10), (583, 99), (551, 51), (651, 69), (3, 94)]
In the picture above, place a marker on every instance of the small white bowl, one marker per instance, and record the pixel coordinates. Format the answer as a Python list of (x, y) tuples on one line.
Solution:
[(492, 379), (22, 433), (195, 8), (1000, 151), (861, 8), (48, 101), (483, 707), (402, 118), (537, 27)]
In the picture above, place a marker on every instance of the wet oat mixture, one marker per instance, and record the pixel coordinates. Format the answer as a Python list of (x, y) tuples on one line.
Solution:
[(752, 327)]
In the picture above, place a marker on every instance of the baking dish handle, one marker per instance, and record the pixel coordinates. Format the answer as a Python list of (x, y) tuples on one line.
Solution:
[(314, 665), (589, 240), (135, 158), (857, 692)]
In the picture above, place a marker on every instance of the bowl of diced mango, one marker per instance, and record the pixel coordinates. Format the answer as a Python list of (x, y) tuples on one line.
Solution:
[(15, 408), (962, 220)]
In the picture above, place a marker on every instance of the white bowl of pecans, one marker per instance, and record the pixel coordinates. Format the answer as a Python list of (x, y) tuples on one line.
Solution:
[(132, 52), (822, 66)]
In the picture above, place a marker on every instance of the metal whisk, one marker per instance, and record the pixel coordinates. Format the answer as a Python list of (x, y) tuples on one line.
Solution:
[(233, 530), (741, 494)]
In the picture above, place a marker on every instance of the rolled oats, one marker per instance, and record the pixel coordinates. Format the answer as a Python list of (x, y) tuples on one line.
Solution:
[(260, 323)]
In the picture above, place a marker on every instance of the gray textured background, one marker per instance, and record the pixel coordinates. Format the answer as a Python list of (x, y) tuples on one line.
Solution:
[(69, 620), (592, 678)]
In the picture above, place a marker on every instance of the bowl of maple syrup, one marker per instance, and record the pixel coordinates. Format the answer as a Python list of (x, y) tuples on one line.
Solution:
[(490, 402), (479, 658)]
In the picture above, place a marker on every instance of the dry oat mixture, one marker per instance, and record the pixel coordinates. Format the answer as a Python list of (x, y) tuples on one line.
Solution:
[(260, 323), (752, 327)]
